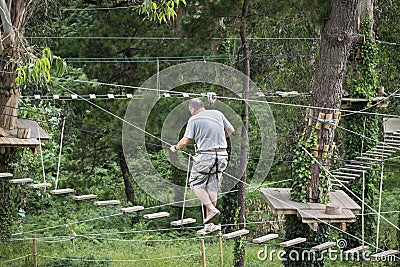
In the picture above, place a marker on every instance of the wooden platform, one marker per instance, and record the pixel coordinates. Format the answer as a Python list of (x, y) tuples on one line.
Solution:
[(293, 242), (41, 185), (84, 197), (391, 125), (131, 209), (384, 254), (235, 234), (62, 191), (323, 246), (183, 222), (264, 238), (279, 201), (107, 202), (380, 101), (156, 215), (21, 181)]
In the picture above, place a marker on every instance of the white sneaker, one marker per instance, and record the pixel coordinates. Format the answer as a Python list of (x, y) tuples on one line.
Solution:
[(214, 213), (209, 228)]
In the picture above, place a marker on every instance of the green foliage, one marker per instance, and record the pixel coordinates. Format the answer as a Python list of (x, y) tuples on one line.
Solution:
[(365, 80), (38, 70), (301, 169), (163, 11), (293, 229)]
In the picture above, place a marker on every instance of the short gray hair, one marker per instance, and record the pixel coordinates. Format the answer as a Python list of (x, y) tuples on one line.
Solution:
[(196, 103)]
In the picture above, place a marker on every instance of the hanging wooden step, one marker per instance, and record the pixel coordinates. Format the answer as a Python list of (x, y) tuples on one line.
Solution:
[(183, 222), (21, 181), (40, 185), (383, 256), (339, 177), (392, 141), (156, 215), (388, 147), (62, 191), (381, 150), (377, 154), (357, 166), (132, 209), (84, 197), (265, 238), (356, 250), (371, 154), (346, 174), (323, 246), (368, 159), (343, 181), (5, 174), (337, 185), (293, 242), (107, 202), (235, 234), (395, 137), (351, 170), (367, 163)]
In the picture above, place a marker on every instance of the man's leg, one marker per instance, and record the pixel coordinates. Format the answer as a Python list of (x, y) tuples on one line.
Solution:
[(204, 197)]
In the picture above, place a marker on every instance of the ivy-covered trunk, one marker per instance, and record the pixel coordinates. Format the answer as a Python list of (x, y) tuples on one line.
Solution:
[(363, 83), (337, 37)]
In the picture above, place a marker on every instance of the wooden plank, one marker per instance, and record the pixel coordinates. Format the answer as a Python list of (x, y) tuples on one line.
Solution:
[(62, 191), (132, 209), (235, 234), (323, 246), (21, 181), (84, 197), (384, 150), (5, 175), (365, 162), (351, 170), (107, 202), (379, 152), (384, 254), (183, 222), (396, 137), (372, 154), (388, 147), (344, 177), (356, 250), (40, 185), (265, 238), (370, 159), (156, 215), (293, 242), (346, 173), (316, 216), (357, 166), (339, 197)]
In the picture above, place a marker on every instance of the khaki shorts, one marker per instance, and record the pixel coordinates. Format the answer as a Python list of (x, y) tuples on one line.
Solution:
[(204, 172)]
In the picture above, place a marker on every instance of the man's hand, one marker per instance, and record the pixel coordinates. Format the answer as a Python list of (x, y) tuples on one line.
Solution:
[(173, 148)]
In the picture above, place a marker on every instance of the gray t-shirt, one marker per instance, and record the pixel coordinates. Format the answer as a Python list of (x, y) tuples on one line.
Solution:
[(207, 129)]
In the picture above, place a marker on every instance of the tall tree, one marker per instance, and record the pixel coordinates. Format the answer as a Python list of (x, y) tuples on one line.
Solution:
[(13, 18), (244, 147), (338, 35)]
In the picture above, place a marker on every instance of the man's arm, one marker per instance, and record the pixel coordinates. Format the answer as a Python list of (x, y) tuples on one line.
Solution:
[(229, 132), (181, 144)]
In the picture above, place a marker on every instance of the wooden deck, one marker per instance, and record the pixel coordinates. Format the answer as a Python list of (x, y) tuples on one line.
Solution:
[(312, 213)]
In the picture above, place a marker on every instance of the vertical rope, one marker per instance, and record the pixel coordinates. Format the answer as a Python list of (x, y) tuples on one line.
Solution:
[(363, 210), (41, 156), (59, 154), (186, 185), (379, 205)]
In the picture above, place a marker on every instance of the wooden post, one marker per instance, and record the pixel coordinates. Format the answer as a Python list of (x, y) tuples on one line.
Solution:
[(203, 253), (34, 251), (221, 252)]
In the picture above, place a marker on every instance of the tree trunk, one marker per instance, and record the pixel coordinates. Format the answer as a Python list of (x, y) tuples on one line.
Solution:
[(239, 258), (13, 17), (129, 192), (337, 39)]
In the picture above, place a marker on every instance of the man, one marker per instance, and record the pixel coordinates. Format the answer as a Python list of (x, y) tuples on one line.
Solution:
[(209, 129)]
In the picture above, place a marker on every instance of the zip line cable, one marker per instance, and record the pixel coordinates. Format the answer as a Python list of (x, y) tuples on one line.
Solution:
[(225, 97), (248, 185)]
